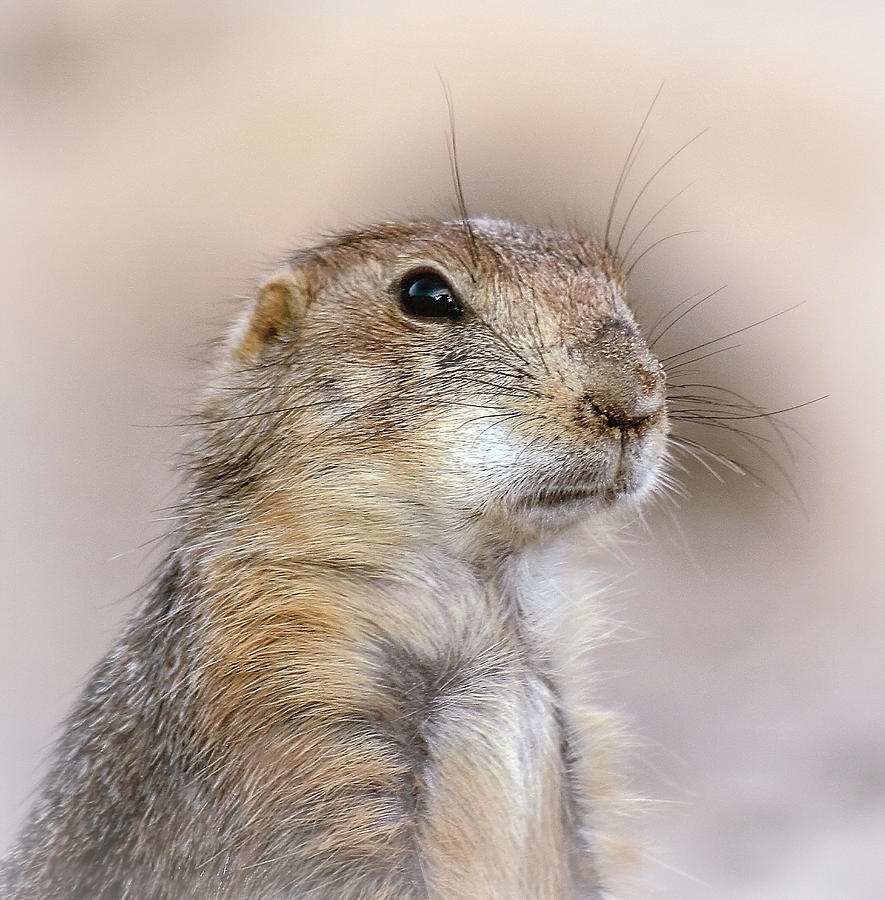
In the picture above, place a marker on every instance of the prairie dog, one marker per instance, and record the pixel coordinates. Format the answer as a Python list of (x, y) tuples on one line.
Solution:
[(336, 687)]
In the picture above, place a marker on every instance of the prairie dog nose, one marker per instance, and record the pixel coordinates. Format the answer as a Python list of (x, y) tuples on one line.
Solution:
[(625, 398)]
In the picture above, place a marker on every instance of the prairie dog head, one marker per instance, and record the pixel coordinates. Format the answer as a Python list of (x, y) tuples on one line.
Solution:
[(436, 380)]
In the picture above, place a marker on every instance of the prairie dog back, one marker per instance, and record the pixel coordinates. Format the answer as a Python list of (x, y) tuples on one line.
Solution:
[(336, 686)]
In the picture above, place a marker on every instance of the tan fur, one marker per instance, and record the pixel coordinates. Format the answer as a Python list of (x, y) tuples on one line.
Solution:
[(353, 696)]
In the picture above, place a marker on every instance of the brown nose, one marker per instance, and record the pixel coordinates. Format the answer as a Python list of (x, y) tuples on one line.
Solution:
[(613, 416), (624, 397)]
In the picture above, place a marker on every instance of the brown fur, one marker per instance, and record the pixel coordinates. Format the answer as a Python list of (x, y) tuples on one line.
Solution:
[(341, 685)]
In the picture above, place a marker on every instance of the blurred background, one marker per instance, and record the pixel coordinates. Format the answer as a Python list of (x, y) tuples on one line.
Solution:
[(157, 159)]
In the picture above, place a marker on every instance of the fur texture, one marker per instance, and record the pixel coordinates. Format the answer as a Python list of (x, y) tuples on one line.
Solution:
[(339, 686)]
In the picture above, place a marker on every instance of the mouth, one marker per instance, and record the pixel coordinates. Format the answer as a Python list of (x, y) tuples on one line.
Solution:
[(575, 498), (559, 496), (620, 480), (615, 471)]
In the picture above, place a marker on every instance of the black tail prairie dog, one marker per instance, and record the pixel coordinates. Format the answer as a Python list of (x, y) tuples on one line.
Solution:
[(336, 688)]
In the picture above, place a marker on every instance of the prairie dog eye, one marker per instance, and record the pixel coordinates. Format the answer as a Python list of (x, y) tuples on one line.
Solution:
[(427, 295)]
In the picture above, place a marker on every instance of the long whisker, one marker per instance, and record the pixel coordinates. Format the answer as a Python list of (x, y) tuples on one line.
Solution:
[(723, 337), (697, 451), (649, 223), (649, 182), (775, 412), (657, 243), (665, 315), (778, 425), (754, 440), (452, 147), (680, 366), (691, 308), (625, 169)]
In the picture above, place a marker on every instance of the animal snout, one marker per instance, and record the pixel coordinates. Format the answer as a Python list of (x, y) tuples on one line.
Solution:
[(626, 402)]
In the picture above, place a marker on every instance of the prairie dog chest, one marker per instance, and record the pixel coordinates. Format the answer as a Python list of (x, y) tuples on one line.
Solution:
[(492, 803)]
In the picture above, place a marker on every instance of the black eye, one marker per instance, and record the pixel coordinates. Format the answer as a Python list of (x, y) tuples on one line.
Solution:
[(428, 296)]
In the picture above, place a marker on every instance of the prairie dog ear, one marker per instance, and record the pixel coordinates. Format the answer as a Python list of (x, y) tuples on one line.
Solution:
[(281, 302)]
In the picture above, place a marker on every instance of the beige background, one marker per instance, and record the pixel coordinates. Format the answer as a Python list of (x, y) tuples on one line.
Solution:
[(153, 163)]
